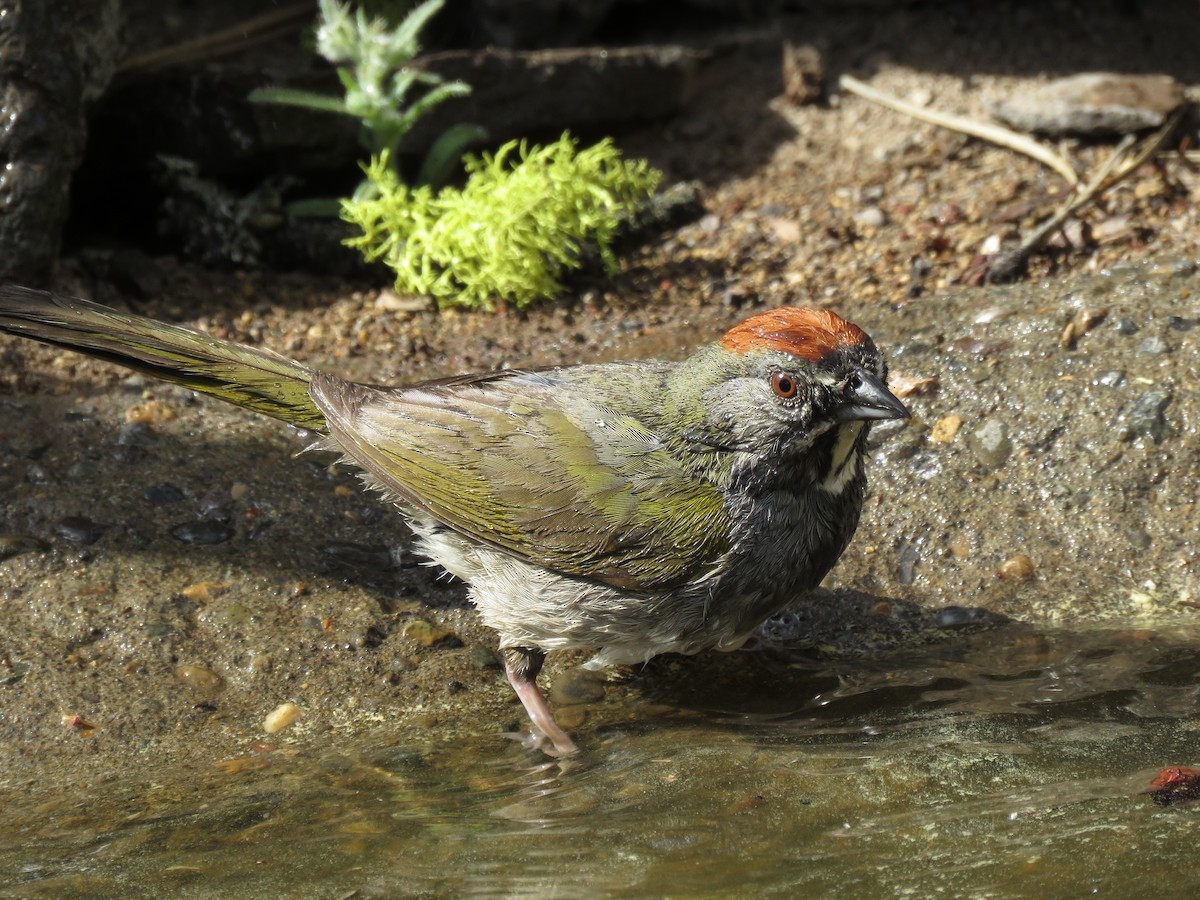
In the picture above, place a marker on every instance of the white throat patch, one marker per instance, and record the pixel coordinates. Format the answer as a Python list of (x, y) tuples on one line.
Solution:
[(845, 461)]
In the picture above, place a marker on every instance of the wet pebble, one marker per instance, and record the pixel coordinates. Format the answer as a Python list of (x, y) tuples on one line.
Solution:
[(162, 494), (871, 217), (202, 532), (137, 434), (577, 685), (233, 614), (1154, 346), (1179, 323), (281, 717), (206, 681), (990, 443), (945, 429), (1147, 417), (79, 529), (152, 412), (15, 544), (482, 657), (12, 671), (1018, 567), (426, 633), (215, 505), (204, 591), (1125, 326), (37, 474), (906, 562)]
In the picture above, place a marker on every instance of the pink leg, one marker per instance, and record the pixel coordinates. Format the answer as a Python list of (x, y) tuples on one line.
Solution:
[(522, 665)]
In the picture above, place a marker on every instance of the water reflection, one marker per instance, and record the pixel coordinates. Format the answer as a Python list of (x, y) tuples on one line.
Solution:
[(1005, 765)]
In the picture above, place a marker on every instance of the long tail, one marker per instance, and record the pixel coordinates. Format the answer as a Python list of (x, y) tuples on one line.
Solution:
[(260, 380)]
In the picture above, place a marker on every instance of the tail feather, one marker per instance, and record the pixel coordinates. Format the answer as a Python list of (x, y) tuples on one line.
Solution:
[(254, 378)]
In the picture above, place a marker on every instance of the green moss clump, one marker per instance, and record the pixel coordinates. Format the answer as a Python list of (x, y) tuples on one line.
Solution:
[(520, 222)]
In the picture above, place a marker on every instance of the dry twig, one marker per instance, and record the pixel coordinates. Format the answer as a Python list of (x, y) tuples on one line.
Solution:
[(996, 134), (1007, 265), (243, 36)]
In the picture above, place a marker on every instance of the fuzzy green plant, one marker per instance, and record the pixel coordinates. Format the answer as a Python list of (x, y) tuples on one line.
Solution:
[(381, 90), (524, 218)]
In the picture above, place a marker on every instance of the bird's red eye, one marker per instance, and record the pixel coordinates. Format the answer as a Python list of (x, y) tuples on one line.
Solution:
[(784, 385)]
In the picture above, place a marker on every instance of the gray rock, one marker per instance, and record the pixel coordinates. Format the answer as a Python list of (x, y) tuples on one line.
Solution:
[(990, 443), (1093, 103), (1147, 417)]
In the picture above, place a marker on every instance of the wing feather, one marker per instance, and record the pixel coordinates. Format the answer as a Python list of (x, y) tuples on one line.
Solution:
[(577, 488)]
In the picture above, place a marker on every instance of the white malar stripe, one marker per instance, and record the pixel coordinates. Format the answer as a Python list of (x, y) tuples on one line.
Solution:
[(845, 461)]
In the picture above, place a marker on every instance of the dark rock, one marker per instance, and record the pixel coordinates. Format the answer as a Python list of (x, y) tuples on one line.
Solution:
[(202, 532), (162, 494), (54, 59), (79, 529)]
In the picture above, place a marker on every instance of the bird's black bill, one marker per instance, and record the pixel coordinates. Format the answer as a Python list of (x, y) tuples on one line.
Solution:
[(869, 398)]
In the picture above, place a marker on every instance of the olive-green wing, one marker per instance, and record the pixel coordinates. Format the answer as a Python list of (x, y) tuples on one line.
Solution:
[(565, 483)]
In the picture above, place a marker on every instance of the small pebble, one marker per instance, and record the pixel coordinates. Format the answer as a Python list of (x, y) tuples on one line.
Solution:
[(960, 546), (1154, 346), (482, 657), (945, 429), (14, 544), (1147, 417), (281, 717), (232, 614), (990, 443), (913, 385), (577, 686), (1016, 568), (871, 217), (78, 529), (202, 532), (906, 562), (162, 494), (154, 412), (206, 681), (238, 491), (137, 434), (425, 633), (204, 590)]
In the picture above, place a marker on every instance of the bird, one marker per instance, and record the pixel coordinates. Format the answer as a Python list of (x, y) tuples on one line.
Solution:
[(626, 508)]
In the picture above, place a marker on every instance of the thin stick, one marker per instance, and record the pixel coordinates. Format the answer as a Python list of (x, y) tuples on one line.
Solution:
[(1004, 266), (239, 37), (982, 130)]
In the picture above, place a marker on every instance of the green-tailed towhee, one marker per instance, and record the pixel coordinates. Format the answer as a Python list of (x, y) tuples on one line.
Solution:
[(627, 508)]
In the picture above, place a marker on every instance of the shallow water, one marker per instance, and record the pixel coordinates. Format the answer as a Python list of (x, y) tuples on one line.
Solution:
[(1009, 764)]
